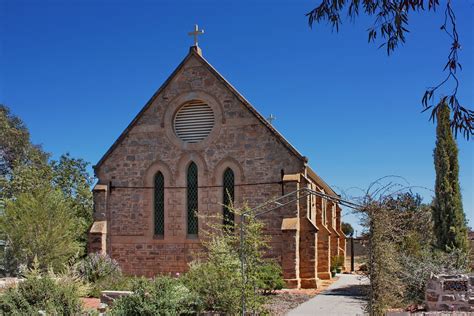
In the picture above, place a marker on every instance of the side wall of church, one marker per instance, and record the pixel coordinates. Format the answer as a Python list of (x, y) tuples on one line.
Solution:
[(239, 141)]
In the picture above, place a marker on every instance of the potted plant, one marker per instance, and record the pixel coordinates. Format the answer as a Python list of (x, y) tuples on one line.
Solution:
[(337, 263), (333, 268), (340, 263)]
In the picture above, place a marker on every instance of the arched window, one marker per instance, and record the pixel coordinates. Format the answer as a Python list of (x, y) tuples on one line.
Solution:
[(192, 198), (228, 196), (159, 203)]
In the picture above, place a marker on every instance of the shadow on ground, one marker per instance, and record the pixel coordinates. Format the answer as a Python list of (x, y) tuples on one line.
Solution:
[(356, 291)]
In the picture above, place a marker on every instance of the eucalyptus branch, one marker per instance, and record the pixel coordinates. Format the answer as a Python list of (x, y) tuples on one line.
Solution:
[(391, 24)]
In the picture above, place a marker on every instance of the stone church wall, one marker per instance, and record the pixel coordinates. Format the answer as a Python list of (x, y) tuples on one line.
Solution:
[(265, 166), (238, 141)]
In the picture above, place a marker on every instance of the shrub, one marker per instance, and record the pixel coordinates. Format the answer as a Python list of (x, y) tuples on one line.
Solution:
[(336, 262), (97, 266), (270, 278), (39, 224), (55, 295), (217, 281), (416, 270), (116, 283), (400, 251), (161, 296)]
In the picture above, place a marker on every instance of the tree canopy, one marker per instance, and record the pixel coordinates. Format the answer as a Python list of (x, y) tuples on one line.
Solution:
[(40, 225), (450, 223), (32, 189), (347, 229)]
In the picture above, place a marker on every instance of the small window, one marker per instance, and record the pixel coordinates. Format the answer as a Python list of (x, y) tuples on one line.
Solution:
[(194, 121), (228, 197), (192, 198), (159, 201)]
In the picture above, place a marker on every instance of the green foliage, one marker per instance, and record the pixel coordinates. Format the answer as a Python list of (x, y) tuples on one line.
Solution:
[(347, 229), (391, 24), (400, 251), (24, 169), (97, 266), (71, 177), (19, 158), (103, 273), (55, 295), (270, 278), (39, 224), (417, 269), (450, 223), (161, 296), (218, 279), (15, 146), (337, 262), (112, 282)]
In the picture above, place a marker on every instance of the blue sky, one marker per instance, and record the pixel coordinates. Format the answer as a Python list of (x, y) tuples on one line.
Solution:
[(77, 72)]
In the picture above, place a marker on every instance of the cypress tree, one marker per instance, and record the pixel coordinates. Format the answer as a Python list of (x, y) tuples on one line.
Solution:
[(449, 220)]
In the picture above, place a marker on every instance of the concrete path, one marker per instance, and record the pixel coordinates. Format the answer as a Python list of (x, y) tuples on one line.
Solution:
[(343, 297)]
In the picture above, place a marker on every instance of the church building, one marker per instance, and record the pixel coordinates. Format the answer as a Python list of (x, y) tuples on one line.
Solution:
[(197, 146)]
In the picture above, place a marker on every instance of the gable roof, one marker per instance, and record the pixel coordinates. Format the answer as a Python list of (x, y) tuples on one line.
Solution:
[(194, 51)]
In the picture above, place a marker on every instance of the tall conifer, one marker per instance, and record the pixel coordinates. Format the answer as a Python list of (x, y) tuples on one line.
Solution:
[(449, 219)]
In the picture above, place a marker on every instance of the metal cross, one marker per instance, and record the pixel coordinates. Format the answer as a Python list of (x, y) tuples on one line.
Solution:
[(196, 33), (271, 118)]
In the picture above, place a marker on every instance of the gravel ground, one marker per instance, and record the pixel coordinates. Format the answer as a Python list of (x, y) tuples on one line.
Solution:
[(283, 301)]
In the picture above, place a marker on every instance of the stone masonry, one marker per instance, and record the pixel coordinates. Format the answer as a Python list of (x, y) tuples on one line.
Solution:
[(450, 293), (264, 163)]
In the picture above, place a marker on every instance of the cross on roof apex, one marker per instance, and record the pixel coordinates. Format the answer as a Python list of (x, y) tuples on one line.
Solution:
[(196, 33)]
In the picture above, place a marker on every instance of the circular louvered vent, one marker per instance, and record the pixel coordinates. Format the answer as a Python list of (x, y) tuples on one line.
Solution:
[(194, 121)]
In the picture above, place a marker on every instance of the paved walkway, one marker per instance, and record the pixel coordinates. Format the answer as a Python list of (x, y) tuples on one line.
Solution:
[(343, 297)]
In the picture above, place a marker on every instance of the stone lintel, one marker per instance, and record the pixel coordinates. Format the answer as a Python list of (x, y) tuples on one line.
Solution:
[(292, 177), (289, 224), (99, 227), (100, 187)]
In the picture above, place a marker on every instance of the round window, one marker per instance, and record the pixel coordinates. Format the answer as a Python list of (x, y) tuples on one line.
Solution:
[(194, 121)]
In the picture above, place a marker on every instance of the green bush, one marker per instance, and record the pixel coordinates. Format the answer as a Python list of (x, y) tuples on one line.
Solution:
[(337, 262), (55, 295), (39, 224), (217, 281), (97, 266), (416, 270), (115, 283), (270, 278), (161, 296)]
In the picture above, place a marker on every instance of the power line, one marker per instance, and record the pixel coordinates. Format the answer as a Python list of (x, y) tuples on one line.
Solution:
[(199, 187)]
